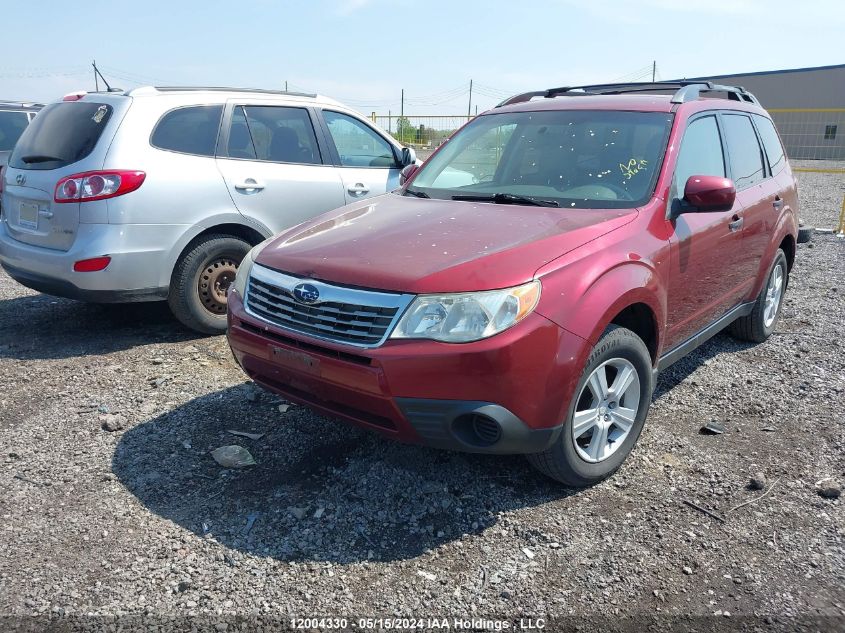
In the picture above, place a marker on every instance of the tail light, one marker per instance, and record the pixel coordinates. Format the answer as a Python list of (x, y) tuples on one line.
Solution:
[(97, 185)]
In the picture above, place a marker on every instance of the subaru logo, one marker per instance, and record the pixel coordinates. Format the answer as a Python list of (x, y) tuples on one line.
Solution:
[(306, 293), (20, 179)]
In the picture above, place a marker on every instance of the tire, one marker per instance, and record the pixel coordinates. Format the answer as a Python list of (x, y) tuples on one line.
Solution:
[(566, 461), (202, 273), (755, 327)]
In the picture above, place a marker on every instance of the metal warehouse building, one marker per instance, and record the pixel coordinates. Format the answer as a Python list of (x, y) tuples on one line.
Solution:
[(807, 105)]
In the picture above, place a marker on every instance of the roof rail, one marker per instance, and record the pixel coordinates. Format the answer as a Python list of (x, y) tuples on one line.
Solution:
[(224, 89), (22, 104), (684, 91)]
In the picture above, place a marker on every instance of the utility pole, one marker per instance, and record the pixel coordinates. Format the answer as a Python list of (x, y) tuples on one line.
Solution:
[(286, 86), (402, 107), (653, 70), (96, 81), (389, 127), (469, 105)]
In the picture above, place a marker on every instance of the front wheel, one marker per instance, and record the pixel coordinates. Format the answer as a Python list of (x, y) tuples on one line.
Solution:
[(200, 280), (607, 414)]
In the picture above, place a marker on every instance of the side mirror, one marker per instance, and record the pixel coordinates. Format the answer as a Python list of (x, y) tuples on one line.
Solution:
[(409, 156), (710, 193), (408, 172)]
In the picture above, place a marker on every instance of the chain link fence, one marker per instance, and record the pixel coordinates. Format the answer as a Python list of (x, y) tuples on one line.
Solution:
[(811, 133), (425, 132)]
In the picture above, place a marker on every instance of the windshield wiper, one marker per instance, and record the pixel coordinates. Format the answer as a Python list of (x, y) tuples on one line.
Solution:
[(507, 198), (418, 194), (39, 158)]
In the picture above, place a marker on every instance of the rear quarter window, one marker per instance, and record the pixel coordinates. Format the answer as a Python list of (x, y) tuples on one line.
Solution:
[(189, 130), (61, 134), (12, 125), (772, 144)]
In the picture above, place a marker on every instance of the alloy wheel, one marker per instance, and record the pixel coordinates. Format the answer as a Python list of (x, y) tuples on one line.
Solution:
[(606, 410), (774, 294)]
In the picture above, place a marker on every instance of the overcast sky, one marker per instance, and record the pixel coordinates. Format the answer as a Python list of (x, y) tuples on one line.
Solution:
[(364, 52)]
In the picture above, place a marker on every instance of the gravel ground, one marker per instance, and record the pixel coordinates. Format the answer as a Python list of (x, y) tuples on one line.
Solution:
[(337, 521), (820, 195)]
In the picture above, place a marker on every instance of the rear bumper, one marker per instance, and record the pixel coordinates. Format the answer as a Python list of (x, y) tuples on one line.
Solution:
[(504, 395), (138, 253)]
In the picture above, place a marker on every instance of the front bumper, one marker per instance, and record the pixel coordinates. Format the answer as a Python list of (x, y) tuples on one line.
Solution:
[(138, 252), (507, 394)]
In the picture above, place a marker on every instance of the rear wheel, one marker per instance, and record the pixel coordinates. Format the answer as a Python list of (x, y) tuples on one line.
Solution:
[(760, 323), (201, 279), (607, 414)]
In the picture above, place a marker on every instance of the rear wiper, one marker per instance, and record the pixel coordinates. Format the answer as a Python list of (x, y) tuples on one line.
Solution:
[(507, 198), (418, 194), (39, 158)]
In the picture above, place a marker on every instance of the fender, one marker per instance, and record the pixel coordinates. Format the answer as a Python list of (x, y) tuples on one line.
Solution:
[(597, 300), (194, 230)]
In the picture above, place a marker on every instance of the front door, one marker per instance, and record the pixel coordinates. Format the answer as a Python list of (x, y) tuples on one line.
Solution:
[(274, 168), (705, 279), (368, 163)]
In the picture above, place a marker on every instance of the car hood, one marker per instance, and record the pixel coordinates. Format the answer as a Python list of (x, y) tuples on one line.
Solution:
[(419, 245)]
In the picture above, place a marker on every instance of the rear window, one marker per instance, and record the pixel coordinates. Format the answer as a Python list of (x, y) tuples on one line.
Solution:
[(12, 125), (61, 134), (190, 130)]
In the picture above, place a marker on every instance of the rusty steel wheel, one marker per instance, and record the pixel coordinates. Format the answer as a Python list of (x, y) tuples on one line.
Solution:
[(214, 281)]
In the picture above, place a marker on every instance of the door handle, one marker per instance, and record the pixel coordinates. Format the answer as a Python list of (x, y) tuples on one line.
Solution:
[(358, 189), (250, 184), (735, 224), (777, 203)]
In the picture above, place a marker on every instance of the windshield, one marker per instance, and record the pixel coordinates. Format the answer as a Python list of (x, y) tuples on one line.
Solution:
[(567, 158), (61, 134), (12, 125)]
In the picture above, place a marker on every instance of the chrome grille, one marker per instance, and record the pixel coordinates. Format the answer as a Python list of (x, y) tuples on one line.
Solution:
[(344, 315)]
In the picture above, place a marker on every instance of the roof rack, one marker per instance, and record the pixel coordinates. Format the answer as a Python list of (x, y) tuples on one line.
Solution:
[(224, 89), (22, 104), (684, 91)]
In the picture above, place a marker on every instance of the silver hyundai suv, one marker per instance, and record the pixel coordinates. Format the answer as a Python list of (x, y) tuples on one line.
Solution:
[(158, 193)]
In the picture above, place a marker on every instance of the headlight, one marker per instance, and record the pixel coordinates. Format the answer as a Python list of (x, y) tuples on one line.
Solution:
[(243, 270), (467, 316)]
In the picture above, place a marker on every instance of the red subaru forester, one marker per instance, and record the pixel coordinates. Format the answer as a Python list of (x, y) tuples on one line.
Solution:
[(521, 290)]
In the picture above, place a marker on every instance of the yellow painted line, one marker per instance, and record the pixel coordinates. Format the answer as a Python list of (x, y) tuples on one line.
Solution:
[(806, 110), (819, 171)]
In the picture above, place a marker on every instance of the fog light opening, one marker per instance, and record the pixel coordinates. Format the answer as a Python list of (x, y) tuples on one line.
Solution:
[(477, 429)]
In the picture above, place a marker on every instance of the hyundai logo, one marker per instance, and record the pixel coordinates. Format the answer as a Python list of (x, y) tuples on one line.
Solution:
[(20, 179), (306, 293)]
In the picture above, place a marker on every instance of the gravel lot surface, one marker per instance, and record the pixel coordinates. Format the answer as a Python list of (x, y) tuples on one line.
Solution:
[(820, 195), (337, 521)]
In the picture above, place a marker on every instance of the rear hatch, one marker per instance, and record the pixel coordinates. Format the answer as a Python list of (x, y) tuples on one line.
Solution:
[(62, 140)]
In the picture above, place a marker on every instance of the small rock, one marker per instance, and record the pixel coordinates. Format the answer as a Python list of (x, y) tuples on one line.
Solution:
[(157, 361), (757, 482), (283, 408), (426, 575), (111, 423), (528, 552), (713, 427), (319, 512), (830, 492), (506, 594), (299, 513), (184, 586), (687, 571)]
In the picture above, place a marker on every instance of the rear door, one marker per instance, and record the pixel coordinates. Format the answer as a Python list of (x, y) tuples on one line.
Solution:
[(368, 162), (756, 190), (274, 166), (705, 276), (53, 146)]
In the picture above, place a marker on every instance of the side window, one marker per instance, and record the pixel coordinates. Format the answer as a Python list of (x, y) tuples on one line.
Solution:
[(12, 125), (701, 153), (771, 141), (190, 130), (274, 133), (357, 144), (744, 151)]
